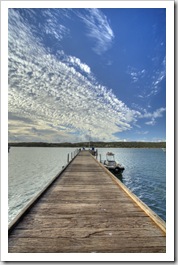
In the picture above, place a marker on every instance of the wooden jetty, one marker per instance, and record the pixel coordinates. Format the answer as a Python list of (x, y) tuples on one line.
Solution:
[(87, 209)]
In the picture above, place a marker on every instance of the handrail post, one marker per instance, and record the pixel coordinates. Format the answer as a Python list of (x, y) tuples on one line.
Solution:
[(97, 154)]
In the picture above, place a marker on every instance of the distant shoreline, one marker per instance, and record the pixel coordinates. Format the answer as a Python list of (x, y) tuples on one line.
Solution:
[(92, 144)]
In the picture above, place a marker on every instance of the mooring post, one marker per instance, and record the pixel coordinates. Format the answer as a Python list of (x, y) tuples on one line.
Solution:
[(67, 158)]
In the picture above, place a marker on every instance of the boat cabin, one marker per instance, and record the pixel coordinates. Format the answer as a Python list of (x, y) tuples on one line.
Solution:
[(111, 164)]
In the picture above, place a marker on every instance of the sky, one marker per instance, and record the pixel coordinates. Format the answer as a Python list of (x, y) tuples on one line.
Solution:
[(80, 74)]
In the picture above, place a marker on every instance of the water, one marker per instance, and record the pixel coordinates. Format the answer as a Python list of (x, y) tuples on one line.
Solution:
[(144, 174), (30, 169)]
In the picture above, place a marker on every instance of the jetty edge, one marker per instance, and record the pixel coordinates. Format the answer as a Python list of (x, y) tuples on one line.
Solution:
[(87, 209), (158, 220), (30, 204)]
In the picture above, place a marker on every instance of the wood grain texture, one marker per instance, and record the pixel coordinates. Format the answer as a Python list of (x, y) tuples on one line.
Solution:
[(84, 210)]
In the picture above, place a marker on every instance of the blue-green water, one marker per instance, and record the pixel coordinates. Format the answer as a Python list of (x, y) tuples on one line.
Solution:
[(144, 174), (30, 169)]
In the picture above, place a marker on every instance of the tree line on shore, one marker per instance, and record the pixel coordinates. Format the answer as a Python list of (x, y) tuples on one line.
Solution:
[(92, 144)]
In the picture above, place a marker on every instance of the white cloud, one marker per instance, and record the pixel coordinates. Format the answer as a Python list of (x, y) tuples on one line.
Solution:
[(157, 77), (143, 132), (153, 116), (152, 122), (98, 29), (156, 114), (51, 25), (135, 74), (50, 29), (58, 94), (76, 62), (149, 83)]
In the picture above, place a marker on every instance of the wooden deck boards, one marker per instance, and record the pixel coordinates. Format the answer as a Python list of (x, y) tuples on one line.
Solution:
[(85, 211)]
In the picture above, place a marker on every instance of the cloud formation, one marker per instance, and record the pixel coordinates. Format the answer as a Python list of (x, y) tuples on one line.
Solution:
[(55, 97), (73, 61), (60, 97), (98, 29), (155, 77), (153, 116), (135, 74)]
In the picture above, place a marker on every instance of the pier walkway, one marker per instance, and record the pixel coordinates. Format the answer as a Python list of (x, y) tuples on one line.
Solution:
[(86, 209)]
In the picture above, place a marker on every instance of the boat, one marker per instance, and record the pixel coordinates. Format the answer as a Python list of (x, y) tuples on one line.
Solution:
[(111, 164)]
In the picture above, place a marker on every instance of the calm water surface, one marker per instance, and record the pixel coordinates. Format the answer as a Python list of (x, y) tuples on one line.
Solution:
[(31, 168), (144, 175)]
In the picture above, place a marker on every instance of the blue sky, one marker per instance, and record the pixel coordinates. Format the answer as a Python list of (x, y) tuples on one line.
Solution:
[(75, 72)]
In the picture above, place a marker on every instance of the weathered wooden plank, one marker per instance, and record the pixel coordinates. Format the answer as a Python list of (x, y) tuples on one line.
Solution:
[(87, 207), (55, 249), (99, 221), (84, 232), (84, 188), (56, 212), (89, 244), (89, 181), (84, 196), (55, 200), (103, 212)]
